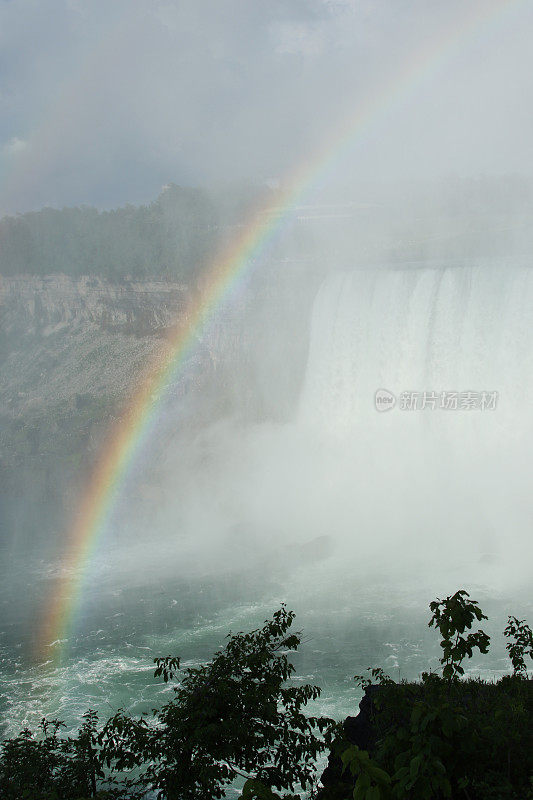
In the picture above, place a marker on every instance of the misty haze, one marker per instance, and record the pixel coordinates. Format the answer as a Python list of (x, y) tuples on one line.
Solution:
[(266, 337)]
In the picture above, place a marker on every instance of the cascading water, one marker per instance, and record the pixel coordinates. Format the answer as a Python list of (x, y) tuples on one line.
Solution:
[(449, 469), (420, 329)]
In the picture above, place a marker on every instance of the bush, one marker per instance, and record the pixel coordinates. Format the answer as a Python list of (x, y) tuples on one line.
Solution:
[(442, 737)]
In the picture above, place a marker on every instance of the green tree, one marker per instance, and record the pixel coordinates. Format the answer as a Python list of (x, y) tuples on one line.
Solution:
[(48, 766), (453, 616), (234, 717), (520, 644)]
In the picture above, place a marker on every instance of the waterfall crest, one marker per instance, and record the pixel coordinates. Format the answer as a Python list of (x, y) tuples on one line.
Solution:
[(416, 330)]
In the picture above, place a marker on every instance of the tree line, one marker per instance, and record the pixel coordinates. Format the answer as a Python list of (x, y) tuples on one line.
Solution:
[(172, 237)]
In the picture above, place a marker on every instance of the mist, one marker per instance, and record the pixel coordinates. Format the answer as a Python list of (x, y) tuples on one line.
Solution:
[(138, 141)]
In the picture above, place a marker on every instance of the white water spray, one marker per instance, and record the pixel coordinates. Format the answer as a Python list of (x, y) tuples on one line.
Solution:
[(458, 477)]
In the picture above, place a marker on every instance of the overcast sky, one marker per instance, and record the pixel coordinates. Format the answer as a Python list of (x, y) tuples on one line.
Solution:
[(103, 101)]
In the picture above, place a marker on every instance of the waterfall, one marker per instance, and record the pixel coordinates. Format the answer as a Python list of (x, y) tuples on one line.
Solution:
[(453, 462), (451, 329)]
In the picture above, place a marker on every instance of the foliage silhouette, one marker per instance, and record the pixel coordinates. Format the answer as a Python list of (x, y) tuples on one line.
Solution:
[(233, 717), (453, 616), (239, 717), (520, 644), (442, 737)]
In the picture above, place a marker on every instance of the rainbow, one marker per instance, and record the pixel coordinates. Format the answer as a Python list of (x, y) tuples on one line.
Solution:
[(125, 442)]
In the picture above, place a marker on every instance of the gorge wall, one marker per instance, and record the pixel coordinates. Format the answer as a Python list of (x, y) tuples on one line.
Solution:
[(73, 349)]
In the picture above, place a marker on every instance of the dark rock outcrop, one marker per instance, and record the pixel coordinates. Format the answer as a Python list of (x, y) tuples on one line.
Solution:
[(357, 730)]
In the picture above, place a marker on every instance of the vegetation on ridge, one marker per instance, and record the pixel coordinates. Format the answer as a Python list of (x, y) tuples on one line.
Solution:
[(173, 236)]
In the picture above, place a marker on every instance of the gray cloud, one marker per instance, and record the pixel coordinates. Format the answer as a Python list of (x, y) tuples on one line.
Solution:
[(112, 100)]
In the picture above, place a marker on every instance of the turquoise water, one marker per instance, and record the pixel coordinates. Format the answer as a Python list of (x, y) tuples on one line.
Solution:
[(107, 662)]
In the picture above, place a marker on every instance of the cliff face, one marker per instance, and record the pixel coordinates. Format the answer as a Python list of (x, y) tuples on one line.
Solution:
[(72, 351), (33, 305), (64, 337)]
